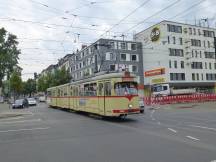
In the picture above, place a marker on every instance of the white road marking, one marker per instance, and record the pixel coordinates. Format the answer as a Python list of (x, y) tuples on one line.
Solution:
[(152, 113), (12, 118), (172, 130), (21, 121), (159, 123), (193, 138), (19, 130), (198, 126)]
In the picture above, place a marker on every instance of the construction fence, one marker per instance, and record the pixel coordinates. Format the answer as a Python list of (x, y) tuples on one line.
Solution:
[(179, 99)]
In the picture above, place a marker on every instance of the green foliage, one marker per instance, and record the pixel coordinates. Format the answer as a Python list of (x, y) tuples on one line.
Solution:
[(60, 76), (16, 85), (8, 53), (29, 87)]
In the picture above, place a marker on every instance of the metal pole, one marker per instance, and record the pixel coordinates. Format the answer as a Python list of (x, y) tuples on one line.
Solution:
[(215, 46)]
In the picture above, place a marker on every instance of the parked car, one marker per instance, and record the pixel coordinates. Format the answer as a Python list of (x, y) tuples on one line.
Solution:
[(42, 99), (21, 103), (32, 102)]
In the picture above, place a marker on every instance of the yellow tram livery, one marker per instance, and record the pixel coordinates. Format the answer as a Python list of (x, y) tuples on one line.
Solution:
[(112, 94)]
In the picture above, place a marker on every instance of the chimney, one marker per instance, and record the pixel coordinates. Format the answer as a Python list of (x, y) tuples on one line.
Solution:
[(84, 46)]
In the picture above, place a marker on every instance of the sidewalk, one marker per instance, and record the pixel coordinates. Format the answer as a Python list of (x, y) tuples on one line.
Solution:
[(7, 112), (4, 107)]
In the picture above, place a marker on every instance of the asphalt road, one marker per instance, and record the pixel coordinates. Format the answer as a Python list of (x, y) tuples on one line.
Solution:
[(184, 134)]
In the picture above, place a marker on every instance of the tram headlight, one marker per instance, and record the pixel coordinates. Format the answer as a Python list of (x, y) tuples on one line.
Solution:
[(130, 105)]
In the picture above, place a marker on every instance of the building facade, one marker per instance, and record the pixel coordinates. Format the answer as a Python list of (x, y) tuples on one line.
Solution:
[(107, 55), (180, 54)]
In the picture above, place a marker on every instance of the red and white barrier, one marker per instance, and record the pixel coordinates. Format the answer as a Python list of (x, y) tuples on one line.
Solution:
[(179, 99)]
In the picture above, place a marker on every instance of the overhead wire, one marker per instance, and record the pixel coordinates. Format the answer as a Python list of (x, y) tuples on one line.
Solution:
[(132, 12), (155, 14), (187, 9)]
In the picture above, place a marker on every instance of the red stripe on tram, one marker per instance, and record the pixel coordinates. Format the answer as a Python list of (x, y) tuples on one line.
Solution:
[(126, 110)]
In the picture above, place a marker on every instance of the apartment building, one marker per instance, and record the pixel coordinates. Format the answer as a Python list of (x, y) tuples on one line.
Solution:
[(182, 55), (107, 55)]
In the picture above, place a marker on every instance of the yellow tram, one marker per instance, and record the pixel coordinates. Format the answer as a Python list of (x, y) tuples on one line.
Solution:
[(112, 94)]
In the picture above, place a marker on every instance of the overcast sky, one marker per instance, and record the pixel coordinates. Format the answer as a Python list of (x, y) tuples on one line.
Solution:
[(49, 29)]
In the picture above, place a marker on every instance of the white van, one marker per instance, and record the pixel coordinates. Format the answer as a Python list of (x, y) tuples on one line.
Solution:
[(42, 98)]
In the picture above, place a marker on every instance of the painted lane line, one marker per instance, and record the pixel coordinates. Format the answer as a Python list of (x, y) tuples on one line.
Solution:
[(198, 126), (21, 121), (172, 130), (193, 138), (12, 118), (151, 115), (19, 130)]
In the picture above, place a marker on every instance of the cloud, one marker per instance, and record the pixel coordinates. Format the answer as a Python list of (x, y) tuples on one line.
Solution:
[(46, 43)]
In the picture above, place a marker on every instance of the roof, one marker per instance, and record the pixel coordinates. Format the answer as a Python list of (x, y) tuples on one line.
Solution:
[(167, 21), (98, 77)]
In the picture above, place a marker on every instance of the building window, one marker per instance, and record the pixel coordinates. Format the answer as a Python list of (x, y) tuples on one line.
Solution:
[(204, 44), (177, 76), (199, 32), (112, 45), (174, 28), (180, 41), (174, 40), (170, 64), (175, 64), (182, 64), (200, 54), (112, 68), (196, 53), (134, 68), (122, 45), (210, 55), (133, 46), (190, 31), (207, 33), (134, 58), (110, 56), (210, 67), (196, 65), (214, 65), (197, 75), (176, 52), (209, 44), (205, 65), (123, 57), (195, 42), (193, 76), (168, 39), (210, 76), (194, 31), (202, 76)]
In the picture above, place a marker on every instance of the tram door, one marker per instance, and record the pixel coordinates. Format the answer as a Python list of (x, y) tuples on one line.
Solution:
[(101, 98), (107, 99)]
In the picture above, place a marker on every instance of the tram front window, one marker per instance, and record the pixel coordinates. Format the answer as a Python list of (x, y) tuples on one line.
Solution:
[(125, 88)]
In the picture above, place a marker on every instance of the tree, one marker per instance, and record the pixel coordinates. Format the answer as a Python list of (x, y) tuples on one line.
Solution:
[(60, 76), (16, 84), (8, 53), (29, 87)]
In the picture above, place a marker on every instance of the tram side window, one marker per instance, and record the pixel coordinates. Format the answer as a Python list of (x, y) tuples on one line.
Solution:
[(100, 89), (125, 88), (76, 91), (90, 89), (58, 92), (107, 88), (71, 91)]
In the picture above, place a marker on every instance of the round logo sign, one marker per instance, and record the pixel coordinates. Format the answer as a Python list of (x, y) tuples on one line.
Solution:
[(155, 34)]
